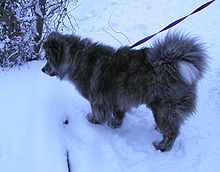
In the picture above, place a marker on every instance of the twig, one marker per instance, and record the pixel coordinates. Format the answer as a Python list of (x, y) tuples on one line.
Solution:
[(117, 31), (68, 161), (77, 6), (111, 36), (76, 22), (72, 23)]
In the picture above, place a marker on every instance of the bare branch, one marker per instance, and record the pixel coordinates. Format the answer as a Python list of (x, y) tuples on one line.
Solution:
[(71, 10)]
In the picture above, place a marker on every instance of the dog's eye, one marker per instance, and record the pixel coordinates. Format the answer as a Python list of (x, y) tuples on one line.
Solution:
[(48, 53)]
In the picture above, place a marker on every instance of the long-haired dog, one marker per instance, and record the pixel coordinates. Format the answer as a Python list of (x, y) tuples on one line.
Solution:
[(164, 77)]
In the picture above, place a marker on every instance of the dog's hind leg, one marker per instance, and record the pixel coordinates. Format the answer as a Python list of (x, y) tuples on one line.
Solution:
[(117, 118), (168, 121)]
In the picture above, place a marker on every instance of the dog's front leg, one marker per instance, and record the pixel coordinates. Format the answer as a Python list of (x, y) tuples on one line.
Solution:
[(91, 118), (98, 114)]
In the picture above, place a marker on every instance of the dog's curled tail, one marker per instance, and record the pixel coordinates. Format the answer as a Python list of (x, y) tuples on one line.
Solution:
[(185, 52)]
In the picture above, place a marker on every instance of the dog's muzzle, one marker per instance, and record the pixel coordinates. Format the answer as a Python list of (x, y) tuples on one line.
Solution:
[(48, 70)]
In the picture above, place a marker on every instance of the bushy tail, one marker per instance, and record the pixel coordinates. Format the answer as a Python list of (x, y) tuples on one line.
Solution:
[(188, 55)]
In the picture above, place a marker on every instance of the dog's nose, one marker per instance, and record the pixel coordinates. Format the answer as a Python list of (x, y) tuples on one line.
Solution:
[(43, 70)]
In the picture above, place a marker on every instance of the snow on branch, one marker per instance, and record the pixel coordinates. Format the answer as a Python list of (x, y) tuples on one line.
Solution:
[(25, 23)]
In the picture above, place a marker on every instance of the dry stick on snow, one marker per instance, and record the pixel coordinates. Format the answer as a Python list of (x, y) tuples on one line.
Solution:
[(117, 31), (112, 36), (68, 161)]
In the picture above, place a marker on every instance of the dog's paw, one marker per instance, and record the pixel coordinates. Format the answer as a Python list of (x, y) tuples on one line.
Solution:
[(165, 145), (114, 123), (92, 119), (157, 129)]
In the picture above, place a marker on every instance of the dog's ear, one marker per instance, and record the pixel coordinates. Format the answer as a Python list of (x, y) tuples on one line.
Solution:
[(52, 41), (53, 46)]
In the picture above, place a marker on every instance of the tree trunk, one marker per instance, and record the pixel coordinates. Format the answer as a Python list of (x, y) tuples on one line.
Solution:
[(10, 25), (39, 12)]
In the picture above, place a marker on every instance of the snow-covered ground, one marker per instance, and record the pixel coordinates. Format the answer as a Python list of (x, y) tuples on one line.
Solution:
[(33, 106)]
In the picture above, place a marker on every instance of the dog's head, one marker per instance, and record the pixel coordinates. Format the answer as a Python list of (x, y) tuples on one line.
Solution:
[(53, 49)]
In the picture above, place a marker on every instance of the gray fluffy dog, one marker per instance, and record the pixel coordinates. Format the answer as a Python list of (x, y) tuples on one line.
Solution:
[(164, 77)]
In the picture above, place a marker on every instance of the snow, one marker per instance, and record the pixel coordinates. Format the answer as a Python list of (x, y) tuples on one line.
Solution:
[(34, 106), (38, 10)]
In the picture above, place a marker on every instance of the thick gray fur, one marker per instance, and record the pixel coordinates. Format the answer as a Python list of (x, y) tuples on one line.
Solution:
[(164, 77)]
